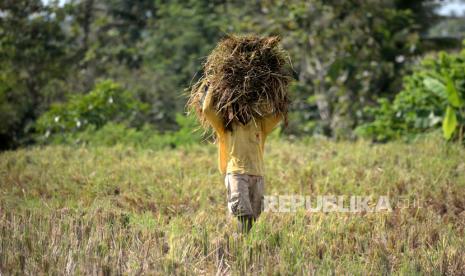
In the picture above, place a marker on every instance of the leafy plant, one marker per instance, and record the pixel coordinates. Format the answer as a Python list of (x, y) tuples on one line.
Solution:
[(434, 93), (107, 102), (114, 133), (455, 102)]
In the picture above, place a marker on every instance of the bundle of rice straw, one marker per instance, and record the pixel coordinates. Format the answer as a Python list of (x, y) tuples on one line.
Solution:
[(248, 76)]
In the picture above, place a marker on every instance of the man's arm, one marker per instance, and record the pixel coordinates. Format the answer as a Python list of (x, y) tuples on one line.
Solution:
[(270, 122), (210, 113)]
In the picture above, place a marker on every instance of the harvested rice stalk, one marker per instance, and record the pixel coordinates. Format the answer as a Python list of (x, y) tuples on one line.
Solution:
[(248, 76)]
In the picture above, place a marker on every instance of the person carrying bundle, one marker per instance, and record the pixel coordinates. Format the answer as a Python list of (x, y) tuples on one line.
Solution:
[(243, 96)]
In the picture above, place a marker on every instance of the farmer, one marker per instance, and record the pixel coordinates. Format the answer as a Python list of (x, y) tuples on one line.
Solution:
[(241, 158), (243, 96)]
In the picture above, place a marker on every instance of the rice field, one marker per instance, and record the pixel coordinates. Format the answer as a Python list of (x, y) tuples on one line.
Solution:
[(122, 210)]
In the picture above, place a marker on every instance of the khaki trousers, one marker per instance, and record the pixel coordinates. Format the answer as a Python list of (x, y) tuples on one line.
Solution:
[(245, 194)]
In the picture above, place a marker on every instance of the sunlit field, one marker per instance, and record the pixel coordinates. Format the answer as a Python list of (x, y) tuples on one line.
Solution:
[(123, 210)]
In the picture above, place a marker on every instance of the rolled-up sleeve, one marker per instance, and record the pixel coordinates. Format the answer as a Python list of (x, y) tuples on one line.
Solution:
[(210, 113)]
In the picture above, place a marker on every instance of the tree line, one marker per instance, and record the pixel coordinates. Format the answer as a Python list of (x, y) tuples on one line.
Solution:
[(345, 55)]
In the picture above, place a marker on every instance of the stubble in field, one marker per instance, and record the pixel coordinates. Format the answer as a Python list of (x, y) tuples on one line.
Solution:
[(124, 210)]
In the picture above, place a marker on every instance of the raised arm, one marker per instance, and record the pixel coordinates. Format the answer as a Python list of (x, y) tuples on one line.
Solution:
[(270, 122), (210, 113)]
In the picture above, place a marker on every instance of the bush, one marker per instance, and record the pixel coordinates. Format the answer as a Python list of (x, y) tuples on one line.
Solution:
[(109, 115), (114, 133), (107, 102), (433, 96)]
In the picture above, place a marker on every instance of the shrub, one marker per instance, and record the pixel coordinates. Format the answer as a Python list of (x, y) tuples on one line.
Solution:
[(109, 115), (147, 136), (107, 102), (433, 96)]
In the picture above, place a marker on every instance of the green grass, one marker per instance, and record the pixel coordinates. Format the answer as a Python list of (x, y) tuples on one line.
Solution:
[(125, 210)]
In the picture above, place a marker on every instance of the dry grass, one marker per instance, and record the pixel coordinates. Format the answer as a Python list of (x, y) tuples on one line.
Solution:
[(121, 210), (248, 76)]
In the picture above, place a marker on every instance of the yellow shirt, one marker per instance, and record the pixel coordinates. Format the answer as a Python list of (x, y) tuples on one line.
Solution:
[(240, 150)]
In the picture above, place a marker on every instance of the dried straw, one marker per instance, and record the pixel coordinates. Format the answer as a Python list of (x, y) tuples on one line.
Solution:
[(248, 76)]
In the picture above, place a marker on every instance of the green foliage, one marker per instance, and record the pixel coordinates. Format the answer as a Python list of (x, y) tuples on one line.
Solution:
[(117, 133), (185, 31), (435, 92), (107, 102), (33, 52), (450, 123), (346, 54), (181, 35)]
